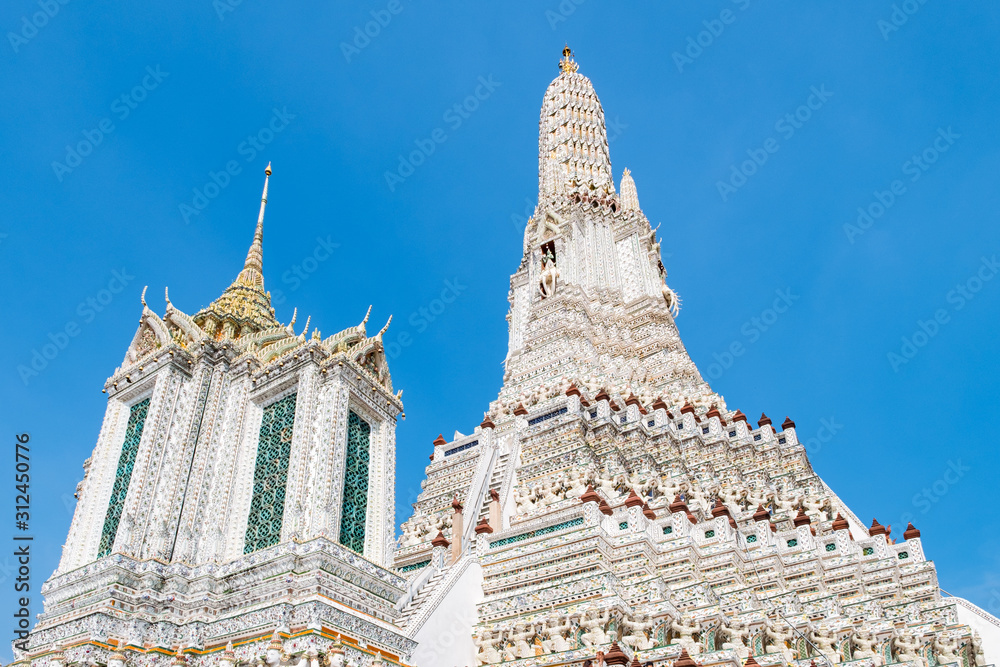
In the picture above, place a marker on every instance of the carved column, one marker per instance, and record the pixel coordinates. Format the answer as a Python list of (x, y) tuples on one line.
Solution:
[(457, 530)]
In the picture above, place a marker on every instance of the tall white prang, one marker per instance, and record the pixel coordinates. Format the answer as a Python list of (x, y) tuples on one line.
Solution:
[(611, 507)]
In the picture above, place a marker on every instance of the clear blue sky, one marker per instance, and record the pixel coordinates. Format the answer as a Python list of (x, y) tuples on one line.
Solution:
[(210, 76)]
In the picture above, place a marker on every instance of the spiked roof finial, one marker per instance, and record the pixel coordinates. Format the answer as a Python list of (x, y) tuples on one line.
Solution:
[(568, 64)]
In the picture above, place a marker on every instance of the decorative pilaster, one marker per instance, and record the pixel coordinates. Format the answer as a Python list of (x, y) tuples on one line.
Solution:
[(457, 530)]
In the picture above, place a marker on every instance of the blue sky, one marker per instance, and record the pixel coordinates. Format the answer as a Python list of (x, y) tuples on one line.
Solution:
[(887, 108)]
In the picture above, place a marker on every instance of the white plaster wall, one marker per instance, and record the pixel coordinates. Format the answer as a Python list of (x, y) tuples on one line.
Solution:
[(81, 544), (446, 637)]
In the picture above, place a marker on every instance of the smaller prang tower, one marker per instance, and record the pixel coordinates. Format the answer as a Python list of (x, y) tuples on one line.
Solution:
[(238, 505)]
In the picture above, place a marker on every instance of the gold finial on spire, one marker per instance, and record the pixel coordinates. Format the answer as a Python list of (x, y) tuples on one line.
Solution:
[(568, 64)]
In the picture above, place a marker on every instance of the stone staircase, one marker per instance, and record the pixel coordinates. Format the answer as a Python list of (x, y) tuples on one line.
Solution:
[(425, 592), (496, 481)]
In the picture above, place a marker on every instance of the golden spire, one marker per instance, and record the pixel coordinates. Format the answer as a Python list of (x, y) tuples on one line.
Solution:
[(252, 274), (568, 64), (244, 307)]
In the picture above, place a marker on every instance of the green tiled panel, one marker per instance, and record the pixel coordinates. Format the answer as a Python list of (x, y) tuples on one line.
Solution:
[(126, 463), (274, 449), (504, 541), (354, 509)]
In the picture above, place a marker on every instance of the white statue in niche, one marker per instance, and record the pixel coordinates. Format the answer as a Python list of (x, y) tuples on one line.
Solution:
[(977, 649), (508, 646), (577, 482), (594, 625), (758, 496), (785, 502), (816, 508), (907, 646), (738, 633), (524, 500), (778, 636), (825, 640), (946, 649), (637, 635), (487, 654), (550, 274), (732, 497), (336, 655), (863, 644), (672, 300), (556, 631), (685, 627)]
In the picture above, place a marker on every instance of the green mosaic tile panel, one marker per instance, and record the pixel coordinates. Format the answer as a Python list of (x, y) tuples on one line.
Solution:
[(274, 449), (354, 509), (414, 566), (535, 533), (126, 463)]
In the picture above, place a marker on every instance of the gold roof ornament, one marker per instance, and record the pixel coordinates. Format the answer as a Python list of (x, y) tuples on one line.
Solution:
[(242, 321), (245, 307), (568, 64)]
